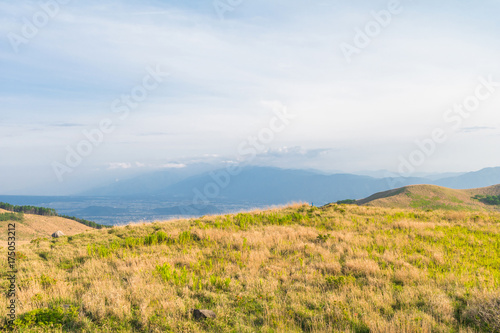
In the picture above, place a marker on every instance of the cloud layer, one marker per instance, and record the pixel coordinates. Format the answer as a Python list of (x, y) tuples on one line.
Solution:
[(361, 115)]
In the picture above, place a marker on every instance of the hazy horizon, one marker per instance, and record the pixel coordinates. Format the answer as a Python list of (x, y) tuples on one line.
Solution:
[(95, 91), (114, 175)]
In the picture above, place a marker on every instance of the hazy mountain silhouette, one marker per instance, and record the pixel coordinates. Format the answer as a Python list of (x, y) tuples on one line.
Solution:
[(268, 185)]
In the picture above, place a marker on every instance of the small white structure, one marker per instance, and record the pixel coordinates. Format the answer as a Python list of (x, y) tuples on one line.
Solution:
[(57, 234)]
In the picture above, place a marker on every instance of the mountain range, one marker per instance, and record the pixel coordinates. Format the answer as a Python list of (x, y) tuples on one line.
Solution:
[(268, 185)]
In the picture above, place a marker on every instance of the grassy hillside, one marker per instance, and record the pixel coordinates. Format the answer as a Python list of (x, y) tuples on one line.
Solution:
[(432, 197), (35, 226), (43, 211), (331, 269)]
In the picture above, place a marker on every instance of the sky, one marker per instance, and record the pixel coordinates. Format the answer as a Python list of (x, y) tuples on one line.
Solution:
[(92, 91)]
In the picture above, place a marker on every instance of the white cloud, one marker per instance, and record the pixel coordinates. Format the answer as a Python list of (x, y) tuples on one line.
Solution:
[(173, 166), (112, 166)]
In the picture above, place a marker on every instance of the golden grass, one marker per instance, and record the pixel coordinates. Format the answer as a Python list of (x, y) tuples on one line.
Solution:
[(432, 197), (34, 226), (300, 268)]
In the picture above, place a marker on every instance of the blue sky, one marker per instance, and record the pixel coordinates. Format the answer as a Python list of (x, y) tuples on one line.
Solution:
[(224, 77)]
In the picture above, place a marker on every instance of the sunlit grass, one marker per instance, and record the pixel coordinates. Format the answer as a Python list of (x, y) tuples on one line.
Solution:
[(340, 268)]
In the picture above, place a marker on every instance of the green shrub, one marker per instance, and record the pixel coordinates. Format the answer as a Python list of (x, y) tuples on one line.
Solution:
[(322, 238), (20, 256), (493, 200), (169, 274), (339, 281), (69, 264), (47, 281), (48, 318), (44, 255), (346, 202), (12, 217)]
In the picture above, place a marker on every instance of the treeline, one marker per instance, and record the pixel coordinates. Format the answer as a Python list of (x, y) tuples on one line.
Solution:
[(12, 217), (28, 209), (489, 199), (87, 223), (40, 211)]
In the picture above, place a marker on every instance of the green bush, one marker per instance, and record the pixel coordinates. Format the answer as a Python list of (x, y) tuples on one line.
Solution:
[(44, 255), (47, 281), (346, 202), (493, 200), (12, 217), (48, 318), (322, 238), (169, 274), (339, 281)]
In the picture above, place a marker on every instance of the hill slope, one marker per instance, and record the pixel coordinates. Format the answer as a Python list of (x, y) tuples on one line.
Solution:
[(34, 226), (301, 268), (431, 197)]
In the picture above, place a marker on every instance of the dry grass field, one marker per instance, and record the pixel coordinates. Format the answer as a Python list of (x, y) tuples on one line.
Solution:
[(34, 226), (338, 268)]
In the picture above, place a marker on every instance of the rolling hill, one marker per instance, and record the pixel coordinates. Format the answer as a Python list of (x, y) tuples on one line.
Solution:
[(431, 197), (288, 269), (338, 268), (37, 226)]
